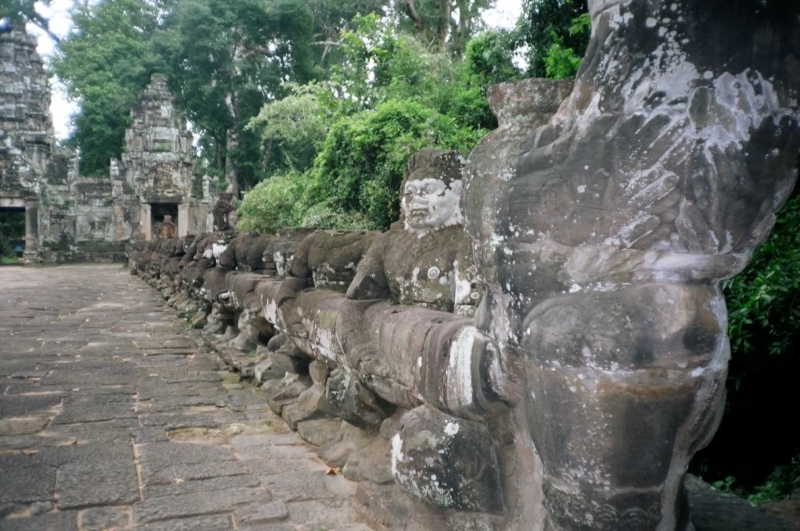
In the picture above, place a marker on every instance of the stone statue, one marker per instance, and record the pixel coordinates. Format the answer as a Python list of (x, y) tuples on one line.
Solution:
[(603, 239), (224, 213), (424, 259), (556, 368), (167, 229)]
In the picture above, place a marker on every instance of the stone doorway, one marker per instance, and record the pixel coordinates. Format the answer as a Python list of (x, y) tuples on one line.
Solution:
[(157, 213), (21, 215), (12, 234)]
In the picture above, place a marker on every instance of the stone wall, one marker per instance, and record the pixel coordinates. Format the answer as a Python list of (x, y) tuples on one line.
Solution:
[(26, 129)]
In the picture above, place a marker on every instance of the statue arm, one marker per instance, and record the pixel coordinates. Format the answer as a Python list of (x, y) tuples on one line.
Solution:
[(370, 281)]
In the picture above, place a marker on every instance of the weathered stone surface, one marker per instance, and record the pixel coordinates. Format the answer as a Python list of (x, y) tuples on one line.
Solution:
[(60, 521), (23, 406), (102, 518), (373, 463), (196, 504), (264, 514), (574, 397), (311, 404), (386, 504), (26, 479), (447, 461), (199, 460), (348, 439), (168, 475), (788, 509), (425, 259), (713, 510), (102, 481), (319, 432), (184, 485), (201, 523)]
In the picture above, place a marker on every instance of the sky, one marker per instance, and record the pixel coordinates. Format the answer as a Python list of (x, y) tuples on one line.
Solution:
[(504, 15)]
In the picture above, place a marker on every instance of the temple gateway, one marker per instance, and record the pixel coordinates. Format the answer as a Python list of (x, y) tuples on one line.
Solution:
[(70, 217)]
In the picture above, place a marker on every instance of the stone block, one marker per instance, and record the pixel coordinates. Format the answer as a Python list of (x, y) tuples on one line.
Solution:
[(263, 514), (319, 372), (310, 405), (319, 432)]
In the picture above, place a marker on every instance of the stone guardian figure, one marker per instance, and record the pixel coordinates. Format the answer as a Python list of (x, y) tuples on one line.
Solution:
[(603, 242)]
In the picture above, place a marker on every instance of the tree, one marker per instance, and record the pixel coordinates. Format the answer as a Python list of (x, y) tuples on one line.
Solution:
[(18, 12), (105, 63), (225, 60), (545, 23), (447, 24), (292, 129), (331, 17)]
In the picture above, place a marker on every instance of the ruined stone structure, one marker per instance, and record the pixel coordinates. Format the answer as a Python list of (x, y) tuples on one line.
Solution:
[(26, 130), (574, 396), (156, 175), (70, 217)]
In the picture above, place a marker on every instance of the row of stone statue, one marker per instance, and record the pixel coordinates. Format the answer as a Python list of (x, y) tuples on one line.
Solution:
[(541, 340), (386, 319)]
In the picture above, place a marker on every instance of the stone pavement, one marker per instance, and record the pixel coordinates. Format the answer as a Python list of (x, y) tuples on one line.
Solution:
[(113, 417)]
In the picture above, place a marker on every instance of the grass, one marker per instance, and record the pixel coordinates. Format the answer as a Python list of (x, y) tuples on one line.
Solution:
[(9, 260)]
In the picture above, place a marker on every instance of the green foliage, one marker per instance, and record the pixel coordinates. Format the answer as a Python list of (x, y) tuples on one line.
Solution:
[(225, 60), (18, 12), (272, 203), (381, 63), (286, 200), (331, 17), (781, 483), (291, 129), (490, 58), (361, 165), (763, 305), (545, 23), (726, 485), (105, 63), (560, 61), (389, 97), (446, 25)]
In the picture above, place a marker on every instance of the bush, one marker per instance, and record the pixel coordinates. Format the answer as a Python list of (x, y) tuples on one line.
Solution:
[(782, 483), (360, 168), (764, 327), (291, 129), (272, 203), (764, 310)]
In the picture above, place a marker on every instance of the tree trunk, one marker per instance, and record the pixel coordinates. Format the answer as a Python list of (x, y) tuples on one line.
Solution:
[(415, 17), (443, 29)]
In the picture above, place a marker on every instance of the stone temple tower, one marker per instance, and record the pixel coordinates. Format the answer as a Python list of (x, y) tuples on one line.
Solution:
[(157, 165), (26, 129)]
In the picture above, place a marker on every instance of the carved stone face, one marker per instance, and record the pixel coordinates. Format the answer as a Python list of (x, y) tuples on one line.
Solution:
[(430, 204)]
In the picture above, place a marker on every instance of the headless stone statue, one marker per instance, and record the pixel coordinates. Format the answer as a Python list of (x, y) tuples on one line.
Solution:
[(224, 213), (167, 230)]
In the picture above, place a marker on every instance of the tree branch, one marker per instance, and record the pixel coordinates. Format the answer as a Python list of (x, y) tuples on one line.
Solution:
[(44, 25), (443, 28), (412, 13)]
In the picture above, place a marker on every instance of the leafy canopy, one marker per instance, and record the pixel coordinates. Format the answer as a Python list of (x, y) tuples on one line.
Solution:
[(105, 64)]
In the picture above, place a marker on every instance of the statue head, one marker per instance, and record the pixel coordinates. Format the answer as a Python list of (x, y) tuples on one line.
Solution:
[(167, 219), (431, 191)]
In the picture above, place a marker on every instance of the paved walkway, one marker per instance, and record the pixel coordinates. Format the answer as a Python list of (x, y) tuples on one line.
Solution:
[(112, 417)]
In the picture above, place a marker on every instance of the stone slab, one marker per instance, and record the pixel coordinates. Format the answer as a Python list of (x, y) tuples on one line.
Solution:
[(196, 504)]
